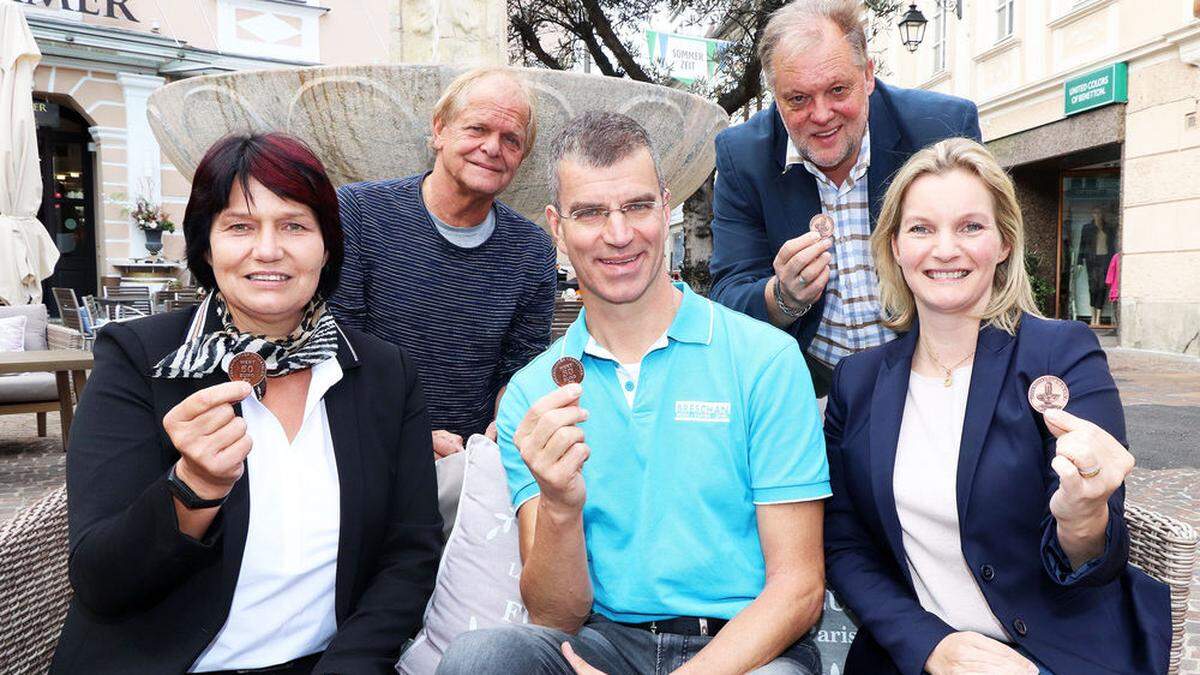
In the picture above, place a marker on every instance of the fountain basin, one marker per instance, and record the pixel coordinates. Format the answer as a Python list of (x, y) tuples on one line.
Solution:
[(373, 122)]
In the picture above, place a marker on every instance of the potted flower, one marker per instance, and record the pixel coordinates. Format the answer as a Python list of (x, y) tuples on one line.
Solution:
[(151, 219)]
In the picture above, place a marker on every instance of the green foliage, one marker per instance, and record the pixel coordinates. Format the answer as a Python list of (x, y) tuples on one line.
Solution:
[(1043, 290)]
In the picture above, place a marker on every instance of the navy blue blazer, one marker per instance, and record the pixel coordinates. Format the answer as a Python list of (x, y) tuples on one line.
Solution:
[(1105, 617), (757, 206)]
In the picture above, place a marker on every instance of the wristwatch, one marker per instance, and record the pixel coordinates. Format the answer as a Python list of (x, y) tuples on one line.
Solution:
[(187, 496), (788, 310)]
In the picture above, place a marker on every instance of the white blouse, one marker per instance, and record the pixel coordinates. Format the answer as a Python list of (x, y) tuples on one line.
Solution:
[(925, 486), (283, 605)]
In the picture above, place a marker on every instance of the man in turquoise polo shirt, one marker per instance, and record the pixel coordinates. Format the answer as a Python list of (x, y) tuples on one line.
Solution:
[(669, 506)]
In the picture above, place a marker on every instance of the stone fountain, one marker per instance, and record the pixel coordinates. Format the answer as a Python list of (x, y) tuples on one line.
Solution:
[(373, 121)]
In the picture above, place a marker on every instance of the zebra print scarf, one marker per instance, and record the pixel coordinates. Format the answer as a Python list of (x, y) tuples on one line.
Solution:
[(313, 341)]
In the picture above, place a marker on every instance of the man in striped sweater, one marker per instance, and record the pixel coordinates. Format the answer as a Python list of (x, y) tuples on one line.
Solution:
[(437, 265)]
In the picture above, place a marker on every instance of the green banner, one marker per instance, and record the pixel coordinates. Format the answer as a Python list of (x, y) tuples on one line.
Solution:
[(1095, 89), (686, 57)]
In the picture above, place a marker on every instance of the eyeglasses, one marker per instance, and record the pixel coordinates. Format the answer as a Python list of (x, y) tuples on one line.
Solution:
[(634, 212)]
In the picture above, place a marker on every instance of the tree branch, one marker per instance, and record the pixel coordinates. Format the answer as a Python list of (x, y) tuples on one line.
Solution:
[(532, 44), (604, 29)]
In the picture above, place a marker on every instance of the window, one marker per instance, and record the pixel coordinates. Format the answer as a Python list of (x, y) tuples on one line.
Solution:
[(939, 38), (1004, 19)]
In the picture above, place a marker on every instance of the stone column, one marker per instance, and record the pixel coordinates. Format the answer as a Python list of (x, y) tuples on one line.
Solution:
[(144, 164), (459, 32)]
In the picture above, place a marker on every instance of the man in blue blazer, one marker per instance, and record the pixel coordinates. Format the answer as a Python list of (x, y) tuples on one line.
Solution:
[(829, 144)]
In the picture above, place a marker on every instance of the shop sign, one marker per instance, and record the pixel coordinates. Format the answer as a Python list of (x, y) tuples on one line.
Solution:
[(45, 114), (1095, 89), (687, 58), (106, 8)]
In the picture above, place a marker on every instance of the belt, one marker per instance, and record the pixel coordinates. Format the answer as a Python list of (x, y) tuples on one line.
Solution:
[(303, 664), (684, 625)]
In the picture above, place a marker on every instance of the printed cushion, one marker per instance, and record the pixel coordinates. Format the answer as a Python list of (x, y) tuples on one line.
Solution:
[(478, 582)]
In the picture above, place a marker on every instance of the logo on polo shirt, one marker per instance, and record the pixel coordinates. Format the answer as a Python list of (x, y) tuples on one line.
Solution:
[(701, 411)]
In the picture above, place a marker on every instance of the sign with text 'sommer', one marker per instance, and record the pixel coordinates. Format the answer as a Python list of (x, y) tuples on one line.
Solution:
[(687, 58), (1095, 89)]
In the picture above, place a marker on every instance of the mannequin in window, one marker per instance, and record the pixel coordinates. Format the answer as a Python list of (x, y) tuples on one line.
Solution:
[(1097, 243)]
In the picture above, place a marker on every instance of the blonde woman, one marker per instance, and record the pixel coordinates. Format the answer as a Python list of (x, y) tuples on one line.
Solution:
[(969, 532)]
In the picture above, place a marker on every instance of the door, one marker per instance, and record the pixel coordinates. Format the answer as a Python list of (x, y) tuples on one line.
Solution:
[(68, 196)]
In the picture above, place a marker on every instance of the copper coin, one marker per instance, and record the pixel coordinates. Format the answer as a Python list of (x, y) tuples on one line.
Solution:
[(248, 367), (822, 224), (566, 370), (1048, 392)]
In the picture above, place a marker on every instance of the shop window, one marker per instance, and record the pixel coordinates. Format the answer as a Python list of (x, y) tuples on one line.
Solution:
[(1090, 247)]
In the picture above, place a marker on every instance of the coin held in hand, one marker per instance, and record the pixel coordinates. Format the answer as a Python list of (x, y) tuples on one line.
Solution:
[(249, 367), (1048, 392), (566, 370), (822, 224)]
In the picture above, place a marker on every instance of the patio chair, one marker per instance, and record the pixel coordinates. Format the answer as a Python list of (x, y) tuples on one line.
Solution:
[(36, 392), (1165, 548), (68, 308), (565, 313), (132, 300), (34, 589)]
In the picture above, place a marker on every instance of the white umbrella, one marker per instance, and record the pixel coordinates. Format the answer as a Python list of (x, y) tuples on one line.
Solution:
[(27, 254)]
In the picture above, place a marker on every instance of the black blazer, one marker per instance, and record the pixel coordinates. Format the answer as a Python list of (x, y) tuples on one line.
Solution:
[(149, 599)]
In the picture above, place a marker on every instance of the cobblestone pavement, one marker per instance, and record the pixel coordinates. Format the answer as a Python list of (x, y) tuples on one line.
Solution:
[(1161, 393)]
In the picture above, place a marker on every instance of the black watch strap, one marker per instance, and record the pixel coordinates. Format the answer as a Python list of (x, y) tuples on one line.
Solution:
[(187, 496)]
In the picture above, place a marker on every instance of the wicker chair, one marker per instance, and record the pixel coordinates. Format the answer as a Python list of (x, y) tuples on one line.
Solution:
[(1166, 549), (34, 590)]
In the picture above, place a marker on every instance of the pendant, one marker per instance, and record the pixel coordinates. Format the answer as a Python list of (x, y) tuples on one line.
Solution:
[(948, 381)]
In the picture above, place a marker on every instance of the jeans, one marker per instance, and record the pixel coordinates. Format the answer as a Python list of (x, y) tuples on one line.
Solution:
[(609, 646)]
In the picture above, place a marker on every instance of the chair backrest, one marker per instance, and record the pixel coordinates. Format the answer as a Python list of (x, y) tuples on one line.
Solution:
[(37, 319), (1165, 548), (68, 307), (565, 313), (34, 589), (137, 297)]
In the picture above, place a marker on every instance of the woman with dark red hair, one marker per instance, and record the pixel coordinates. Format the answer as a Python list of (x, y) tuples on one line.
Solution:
[(251, 486)]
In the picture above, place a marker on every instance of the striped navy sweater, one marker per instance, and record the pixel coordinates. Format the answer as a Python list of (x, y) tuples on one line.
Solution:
[(469, 318)]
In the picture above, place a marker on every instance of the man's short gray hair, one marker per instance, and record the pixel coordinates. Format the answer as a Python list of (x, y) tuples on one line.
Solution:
[(597, 139), (797, 24)]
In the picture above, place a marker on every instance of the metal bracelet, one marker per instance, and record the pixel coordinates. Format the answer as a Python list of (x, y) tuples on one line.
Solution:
[(788, 310)]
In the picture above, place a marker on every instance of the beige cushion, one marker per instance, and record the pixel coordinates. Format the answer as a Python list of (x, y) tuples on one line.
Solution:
[(28, 388), (35, 327)]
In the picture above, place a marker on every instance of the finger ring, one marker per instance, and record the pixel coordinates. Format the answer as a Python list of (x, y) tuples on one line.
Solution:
[(1090, 473), (800, 278)]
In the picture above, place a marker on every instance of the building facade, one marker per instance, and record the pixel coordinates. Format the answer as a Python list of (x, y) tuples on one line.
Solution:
[(1092, 107), (101, 60)]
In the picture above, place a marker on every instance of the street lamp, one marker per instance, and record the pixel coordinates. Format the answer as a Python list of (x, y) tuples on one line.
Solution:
[(912, 28)]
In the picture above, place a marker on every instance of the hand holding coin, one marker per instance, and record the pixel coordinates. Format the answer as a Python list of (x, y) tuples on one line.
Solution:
[(552, 445), (211, 439), (1090, 464), (802, 265)]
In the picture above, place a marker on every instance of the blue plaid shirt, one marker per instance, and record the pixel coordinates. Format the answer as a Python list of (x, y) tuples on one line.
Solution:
[(850, 322)]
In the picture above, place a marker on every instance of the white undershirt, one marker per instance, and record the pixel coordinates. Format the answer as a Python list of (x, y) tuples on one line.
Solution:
[(925, 486), (283, 605), (627, 373)]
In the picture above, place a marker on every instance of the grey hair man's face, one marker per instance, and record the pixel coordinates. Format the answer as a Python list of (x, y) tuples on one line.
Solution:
[(823, 93)]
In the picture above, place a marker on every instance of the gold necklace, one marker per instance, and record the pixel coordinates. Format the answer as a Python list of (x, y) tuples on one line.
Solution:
[(949, 371)]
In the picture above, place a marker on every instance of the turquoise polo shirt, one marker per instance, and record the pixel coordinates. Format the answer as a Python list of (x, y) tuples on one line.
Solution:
[(724, 418)]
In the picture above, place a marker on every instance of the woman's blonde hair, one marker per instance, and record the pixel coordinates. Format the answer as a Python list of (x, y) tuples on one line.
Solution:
[(1012, 293)]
